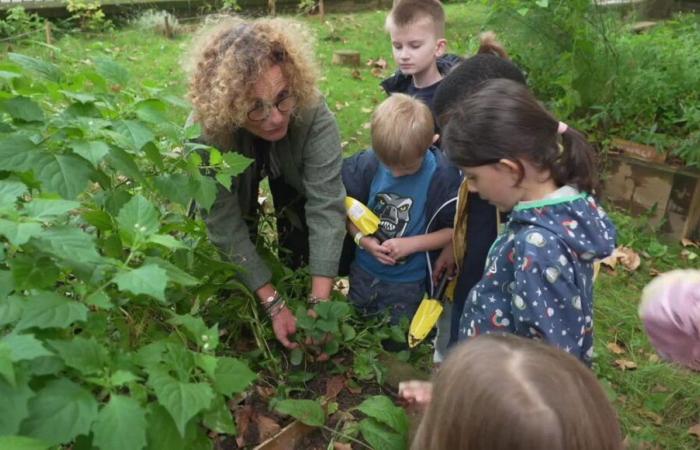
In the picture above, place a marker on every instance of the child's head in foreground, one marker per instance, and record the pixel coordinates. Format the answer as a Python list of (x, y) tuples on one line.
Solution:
[(670, 310), (505, 392), (402, 131), (417, 29)]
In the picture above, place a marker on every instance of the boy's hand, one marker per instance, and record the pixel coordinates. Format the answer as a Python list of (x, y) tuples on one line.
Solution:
[(398, 248), (416, 392), (377, 250), (444, 264)]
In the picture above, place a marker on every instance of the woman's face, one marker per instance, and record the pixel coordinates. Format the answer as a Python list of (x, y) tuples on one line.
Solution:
[(268, 91)]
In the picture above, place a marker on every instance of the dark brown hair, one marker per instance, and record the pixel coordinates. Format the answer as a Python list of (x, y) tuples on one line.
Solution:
[(503, 120), (503, 392), (407, 12), (491, 61)]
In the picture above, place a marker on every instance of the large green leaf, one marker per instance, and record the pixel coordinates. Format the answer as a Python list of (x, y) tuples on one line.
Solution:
[(383, 409), (86, 355), (162, 433), (198, 330), (205, 191), (18, 153), (59, 412), (176, 187), (21, 443), (182, 400), (112, 71), (70, 244), (7, 368), (232, 376), (14, 406), (175, 274), (31, 272), (19, 233), (45, 69), (10, 307), (124, 162), (10, 190), (309, 412), (133, 134), (380, 437), (50, 310), (23, 108), (152, 110), (138, 219), (67, 175), (148, 279), (218, 418), (232, 164), (44, 209), (24, 347), (120, 425), (93, 151)]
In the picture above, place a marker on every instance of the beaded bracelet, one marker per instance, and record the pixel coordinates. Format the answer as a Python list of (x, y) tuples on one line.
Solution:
[(313, 300), (274, 304)]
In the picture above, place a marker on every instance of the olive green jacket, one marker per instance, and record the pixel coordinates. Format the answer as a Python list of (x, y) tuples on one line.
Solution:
[(309, 159)]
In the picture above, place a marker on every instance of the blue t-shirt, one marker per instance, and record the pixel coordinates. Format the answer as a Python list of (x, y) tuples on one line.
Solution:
[(400, 204)]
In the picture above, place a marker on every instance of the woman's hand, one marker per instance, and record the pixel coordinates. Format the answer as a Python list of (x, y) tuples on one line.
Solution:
[(444, 264), (399, 248), (284, 324), (377, 250)]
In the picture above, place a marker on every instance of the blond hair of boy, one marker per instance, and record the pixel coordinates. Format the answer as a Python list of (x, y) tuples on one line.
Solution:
[(402, 131), (417, 29)]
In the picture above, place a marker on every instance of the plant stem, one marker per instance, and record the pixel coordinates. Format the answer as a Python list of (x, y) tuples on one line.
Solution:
[(345, 436)]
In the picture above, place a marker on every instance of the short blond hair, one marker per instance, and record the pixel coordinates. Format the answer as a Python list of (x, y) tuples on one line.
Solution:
[(402, 130), (407, 12)]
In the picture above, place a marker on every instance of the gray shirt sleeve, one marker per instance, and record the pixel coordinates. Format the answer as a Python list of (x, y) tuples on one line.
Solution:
[(325, 193)]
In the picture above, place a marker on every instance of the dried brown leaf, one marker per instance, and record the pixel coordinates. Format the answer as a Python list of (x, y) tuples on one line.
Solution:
[(333, 386), (685, 242), (341, 446), (356, 74), (688, 255), (243, 418), (267, 427), (615, 348), (265, 391), (624, 256), (695, 430), (366, 110), (654, 358), (625, 364), (377, 72)]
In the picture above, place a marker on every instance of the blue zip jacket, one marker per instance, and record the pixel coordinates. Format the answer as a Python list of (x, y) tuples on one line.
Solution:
[(538, 280), (358, 172)]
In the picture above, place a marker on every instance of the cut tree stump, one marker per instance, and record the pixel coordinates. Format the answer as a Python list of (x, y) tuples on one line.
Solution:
[(346, 57)]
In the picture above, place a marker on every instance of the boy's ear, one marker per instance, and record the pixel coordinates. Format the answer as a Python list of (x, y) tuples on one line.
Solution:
[(436, 137), (441, 47)]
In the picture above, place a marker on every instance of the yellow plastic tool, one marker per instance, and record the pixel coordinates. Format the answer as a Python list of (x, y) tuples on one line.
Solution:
[(364, 219), (427, 315)]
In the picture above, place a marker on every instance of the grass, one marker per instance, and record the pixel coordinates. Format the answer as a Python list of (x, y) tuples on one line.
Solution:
[(657, 402)]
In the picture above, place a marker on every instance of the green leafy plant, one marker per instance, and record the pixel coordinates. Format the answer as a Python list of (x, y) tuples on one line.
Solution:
[(102, 273), (89, 15), (18, 22)]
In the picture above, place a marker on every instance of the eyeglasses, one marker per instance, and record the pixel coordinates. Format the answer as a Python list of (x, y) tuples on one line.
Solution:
[(263, 109)]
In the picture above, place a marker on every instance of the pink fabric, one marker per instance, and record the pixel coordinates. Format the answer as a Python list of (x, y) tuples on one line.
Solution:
[(670, 310), (561, 129)]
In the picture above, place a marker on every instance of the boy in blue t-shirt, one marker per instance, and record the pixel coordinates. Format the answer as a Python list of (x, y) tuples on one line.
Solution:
[(412, 188)]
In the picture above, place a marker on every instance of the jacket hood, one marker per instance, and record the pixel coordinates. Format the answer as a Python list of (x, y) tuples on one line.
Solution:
[(576, 219)]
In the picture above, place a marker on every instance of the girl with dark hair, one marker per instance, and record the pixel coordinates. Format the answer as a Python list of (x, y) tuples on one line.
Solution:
[(538, 279)]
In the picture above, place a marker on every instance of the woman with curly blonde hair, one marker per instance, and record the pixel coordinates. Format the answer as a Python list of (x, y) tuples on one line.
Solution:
[(253, 90)]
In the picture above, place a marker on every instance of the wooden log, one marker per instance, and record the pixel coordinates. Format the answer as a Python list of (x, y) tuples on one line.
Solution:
[(346, 57), (642, 27)]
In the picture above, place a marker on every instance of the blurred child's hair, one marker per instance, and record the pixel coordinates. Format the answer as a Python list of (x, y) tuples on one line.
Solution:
[(503, 392), (670, 310), (491, 61), (503, 120), (408, 12), (402, 130)]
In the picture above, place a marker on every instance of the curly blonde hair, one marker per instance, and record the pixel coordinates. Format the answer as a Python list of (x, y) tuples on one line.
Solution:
[(226, 61)]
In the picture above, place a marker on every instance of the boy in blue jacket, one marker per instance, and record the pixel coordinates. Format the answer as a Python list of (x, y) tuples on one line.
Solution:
[(412, 188)]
